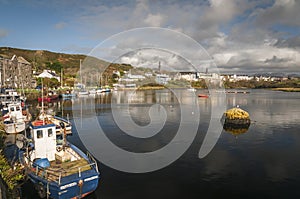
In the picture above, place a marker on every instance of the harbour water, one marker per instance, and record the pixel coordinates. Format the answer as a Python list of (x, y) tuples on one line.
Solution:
[(261, 162)]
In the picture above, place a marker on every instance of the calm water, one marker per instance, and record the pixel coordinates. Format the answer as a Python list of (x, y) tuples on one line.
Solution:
[(263, 162)]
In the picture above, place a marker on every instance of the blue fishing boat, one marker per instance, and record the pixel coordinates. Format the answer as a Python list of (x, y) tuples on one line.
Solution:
[(58, 169), (68, 95)]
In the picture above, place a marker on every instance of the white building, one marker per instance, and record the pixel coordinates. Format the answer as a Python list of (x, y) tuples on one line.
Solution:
[(131, 78), (49, 74), (235, 78), (162, 78)]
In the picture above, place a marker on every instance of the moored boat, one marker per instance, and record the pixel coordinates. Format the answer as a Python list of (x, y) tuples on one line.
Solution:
[(8, 96), (48, 98), (202, 95), (58, 169), (15, 119), (68, 95), (83, 93), (103, 90)]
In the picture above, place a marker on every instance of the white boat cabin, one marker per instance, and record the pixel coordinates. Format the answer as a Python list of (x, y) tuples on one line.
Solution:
[(44, 140), (15, 111)]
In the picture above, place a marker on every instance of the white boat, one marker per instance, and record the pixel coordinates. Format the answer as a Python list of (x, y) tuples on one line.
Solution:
[(8, 96), (103, 90), (191, 89), (83, 93), (68, 95), (14, 118), (92, 91)]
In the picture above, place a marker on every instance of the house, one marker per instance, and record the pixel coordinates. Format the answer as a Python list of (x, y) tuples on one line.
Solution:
[(15, 72), (49, 74), (162, 78)]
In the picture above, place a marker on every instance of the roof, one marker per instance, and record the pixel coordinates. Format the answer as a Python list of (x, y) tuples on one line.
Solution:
[(48, 73), (22, 60)]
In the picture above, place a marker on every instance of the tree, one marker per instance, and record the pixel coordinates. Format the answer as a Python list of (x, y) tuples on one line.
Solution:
[(56, 66)]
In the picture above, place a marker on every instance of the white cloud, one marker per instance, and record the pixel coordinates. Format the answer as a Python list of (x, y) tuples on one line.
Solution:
[(60, 25), (3, 33), (238, 34), (154, 20)]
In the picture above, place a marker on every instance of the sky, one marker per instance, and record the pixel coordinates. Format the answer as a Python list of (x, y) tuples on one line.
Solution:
[(239, 36)]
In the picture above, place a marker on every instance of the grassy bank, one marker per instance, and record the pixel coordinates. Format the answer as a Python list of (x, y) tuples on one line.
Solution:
[(11, 175), (287, 89)]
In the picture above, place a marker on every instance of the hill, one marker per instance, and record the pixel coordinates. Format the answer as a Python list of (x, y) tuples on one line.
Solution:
[(42, 59)]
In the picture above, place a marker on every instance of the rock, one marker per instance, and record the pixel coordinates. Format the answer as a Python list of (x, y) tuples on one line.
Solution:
[(236, 116)]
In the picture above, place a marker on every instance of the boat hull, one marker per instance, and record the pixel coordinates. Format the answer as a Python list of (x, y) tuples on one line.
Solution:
[(48, 99), (15, 127), (202, 96), (69, 189)]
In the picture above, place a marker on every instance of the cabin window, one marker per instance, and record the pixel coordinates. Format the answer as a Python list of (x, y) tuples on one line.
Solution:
[(12, 109), (18, 108), (39, 133), (50, 132)]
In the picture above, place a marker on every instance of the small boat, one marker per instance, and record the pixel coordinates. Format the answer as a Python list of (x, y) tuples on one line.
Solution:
[(68, 95), (15, 119), (50, 97), (92, 91), (57, 169), (83, 93), (103, 90), (8, 96), (202, 95), (238, 92), (192, 89)]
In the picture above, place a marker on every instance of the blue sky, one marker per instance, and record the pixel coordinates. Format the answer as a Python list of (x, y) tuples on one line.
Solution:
[(240, 35)]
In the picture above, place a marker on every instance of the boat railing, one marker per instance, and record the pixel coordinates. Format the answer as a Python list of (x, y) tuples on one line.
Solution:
[(56, 176), (90, 157)]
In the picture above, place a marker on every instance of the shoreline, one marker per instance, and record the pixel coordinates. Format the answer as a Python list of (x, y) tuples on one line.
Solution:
[(286, 89)]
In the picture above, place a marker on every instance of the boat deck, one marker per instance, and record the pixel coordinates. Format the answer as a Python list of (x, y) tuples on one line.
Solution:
[(61, 168)]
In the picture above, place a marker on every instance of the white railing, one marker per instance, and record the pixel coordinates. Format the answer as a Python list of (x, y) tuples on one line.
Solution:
[(52, 175), (92, 160)]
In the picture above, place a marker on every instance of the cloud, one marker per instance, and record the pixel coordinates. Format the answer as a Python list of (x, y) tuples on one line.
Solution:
[(275, 60), (3, 33), (246, 35), (284, 12), (60, 25), (154, 20), (150, 58), (292, 42)]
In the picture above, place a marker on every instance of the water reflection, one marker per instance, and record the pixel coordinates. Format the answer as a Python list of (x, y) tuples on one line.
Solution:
[(263, 163), (236, 129)]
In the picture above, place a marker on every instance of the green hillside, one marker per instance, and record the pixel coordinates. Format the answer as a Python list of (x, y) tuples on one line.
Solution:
[(40, 58), (70, 63)]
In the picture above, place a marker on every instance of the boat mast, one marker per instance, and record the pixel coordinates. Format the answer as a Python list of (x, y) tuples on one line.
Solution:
[(61, 77), (80, 73), (43, 103)]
